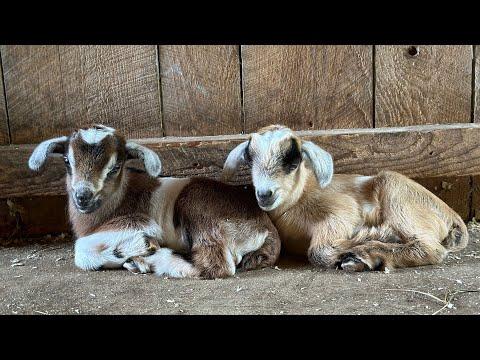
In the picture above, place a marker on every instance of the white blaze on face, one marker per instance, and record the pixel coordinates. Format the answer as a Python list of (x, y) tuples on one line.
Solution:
[(267, 147), (111, 163), (79, 180), (94, 136)]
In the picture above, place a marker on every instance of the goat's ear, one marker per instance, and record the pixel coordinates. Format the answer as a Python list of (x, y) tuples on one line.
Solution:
[(320, 160), (44, 149), (150, 159), (236, 157)]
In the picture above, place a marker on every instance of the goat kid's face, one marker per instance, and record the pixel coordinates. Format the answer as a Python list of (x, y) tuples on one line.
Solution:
[(276, 157), (94, 160)]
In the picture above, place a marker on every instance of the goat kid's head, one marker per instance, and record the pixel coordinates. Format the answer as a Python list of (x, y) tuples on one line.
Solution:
[(275, 155), (94, 159)]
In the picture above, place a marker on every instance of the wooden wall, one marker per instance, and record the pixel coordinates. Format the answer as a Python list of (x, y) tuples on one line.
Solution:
[(168, 94)]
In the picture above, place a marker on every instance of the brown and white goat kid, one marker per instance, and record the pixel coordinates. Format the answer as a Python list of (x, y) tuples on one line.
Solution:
[(131, 218), (351, 222)]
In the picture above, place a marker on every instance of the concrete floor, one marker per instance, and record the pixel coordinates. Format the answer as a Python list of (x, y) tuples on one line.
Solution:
[(42, 279)]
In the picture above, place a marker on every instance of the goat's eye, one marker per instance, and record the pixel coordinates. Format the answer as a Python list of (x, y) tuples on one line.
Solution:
[(292, 158), (67, 162), (114, 170)]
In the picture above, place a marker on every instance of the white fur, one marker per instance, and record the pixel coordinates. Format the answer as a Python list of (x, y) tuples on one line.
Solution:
[(111, 163), (152, 162), (165, 263), (94, 135), (361, 180), (129, 242), (321, 161), (162, 206), (42, 151), (234, 159)]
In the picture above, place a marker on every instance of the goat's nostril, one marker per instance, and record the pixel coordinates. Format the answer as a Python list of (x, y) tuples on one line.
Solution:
[(83, 196), (264, 195)]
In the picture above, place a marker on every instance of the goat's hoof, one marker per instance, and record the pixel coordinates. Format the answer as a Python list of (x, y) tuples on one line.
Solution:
[(350, 262), (137, 266), (130, 266), (250, 262)]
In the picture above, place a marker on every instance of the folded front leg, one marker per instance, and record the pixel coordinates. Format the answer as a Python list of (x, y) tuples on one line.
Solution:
[(110, 249)]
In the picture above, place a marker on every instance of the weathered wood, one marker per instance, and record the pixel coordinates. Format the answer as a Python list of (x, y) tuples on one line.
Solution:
[(477, 85), (307, 87), (3, 113), (432, 87), (426, 85), (201, 90), (475, 211), (417, 151), (53, 89), (21, 217), (455, 191), (476, 198)]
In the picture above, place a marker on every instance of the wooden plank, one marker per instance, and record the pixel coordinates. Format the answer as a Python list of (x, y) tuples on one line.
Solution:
[(307, 87), (476, 179), (201, 90), (58, 88), (426, 85), (476, 198), (417, 151), (432, 87), (21, 217), (477, 85), (455, 191), (3, 113)]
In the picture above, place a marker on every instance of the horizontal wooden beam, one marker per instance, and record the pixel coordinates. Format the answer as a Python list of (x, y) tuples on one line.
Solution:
[(416, 151)]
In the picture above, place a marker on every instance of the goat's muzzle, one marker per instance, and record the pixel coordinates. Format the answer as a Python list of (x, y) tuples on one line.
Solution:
[(84, 200), (266, 198)]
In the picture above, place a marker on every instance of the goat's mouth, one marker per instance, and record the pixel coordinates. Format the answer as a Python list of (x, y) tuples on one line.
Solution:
[(270, 204), (87, 209)]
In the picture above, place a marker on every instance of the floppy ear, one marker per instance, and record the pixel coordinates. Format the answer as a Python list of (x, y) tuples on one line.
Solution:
[(150, 159), (44, 149), (234, 160), (321, 161)]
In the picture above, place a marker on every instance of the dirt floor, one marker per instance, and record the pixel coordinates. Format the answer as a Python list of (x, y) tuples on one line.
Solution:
[(42, 279)]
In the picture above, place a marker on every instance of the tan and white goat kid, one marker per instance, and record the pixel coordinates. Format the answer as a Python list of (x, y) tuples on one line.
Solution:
[(131, 218), (351, 222)]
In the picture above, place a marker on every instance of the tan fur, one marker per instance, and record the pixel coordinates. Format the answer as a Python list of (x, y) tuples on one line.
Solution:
[(359, 222)]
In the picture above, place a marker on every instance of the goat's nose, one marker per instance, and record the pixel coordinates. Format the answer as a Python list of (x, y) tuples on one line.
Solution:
[(264, 194), (83, 196)]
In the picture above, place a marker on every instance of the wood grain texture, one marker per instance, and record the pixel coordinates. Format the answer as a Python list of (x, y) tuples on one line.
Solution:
[(477, 85), (454, 191), (433, 87), (476, 198), (476, 179), (21, 217), (417, 151), (53, 89), (201, 90), (3, 114), (307, 87)]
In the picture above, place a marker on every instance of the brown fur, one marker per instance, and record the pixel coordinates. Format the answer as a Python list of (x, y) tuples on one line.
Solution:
[(227, 215), (215, 220)]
